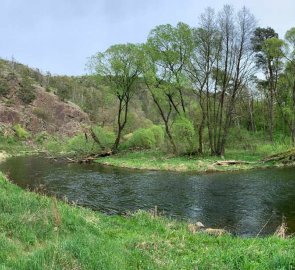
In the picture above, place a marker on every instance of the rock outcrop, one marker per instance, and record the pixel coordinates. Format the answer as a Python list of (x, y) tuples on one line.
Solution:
[(45, 113)]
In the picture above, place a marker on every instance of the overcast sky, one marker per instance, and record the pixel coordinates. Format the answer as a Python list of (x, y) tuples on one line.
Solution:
[(59, 35)]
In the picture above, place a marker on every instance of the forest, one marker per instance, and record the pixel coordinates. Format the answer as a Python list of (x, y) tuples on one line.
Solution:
[(226, 83)]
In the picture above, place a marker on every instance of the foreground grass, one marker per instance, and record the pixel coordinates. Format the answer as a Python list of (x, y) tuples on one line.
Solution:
[(152, 160), (37, 232)]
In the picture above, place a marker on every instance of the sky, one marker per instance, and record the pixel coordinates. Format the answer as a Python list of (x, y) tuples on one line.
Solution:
[(59, 35)]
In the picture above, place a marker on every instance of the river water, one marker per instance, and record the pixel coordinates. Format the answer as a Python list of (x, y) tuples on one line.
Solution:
[(245, 203)]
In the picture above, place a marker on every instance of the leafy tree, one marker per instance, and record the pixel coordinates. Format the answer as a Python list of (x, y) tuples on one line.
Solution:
[(121, 66), (166, 51), (268, 49), (286, 85)]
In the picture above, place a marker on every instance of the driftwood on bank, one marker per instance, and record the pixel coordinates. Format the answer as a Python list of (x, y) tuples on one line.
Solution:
[(230, 162), (92, 157), (284, 157)]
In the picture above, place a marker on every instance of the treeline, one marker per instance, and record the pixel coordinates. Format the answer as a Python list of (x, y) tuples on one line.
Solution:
[(225, 73)]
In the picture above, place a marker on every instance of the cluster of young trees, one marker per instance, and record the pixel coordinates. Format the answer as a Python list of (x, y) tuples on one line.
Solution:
[(213, 69)]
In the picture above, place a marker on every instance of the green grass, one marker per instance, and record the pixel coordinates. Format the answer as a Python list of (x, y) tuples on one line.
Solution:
[(14, 147), (38, 232), (155, 160)]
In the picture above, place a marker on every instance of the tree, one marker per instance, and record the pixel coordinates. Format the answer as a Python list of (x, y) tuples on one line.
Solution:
[(220, 68), (268, 49), (121, 66), (166, 51), (286, 85), (200, 65)]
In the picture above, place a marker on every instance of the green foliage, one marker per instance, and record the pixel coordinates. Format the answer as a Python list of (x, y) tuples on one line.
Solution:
[(26, 92), (184, 134), (54, 145), (239, 138), (146, 138), (159, 135), (4, 87), (41, 113), (81, 144), (63, 91), (41, 137), (142, 139), (290, 36), (105, 136), (20, 132)]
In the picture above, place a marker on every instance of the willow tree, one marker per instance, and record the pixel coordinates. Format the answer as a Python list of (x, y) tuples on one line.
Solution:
[(121, 66), (166, 52)]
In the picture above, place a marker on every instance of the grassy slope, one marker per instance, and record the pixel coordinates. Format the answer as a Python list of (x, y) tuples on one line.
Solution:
[(37, 232), (160, 161)]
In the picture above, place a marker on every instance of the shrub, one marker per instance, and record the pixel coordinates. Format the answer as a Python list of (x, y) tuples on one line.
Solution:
[(20, 132), (239, 138), (4, 87), (142, 138), (26, 92), (158, 134), (41, 113), (79, 144), (41, 137), (184, 135), (54, 145), (106, 137)]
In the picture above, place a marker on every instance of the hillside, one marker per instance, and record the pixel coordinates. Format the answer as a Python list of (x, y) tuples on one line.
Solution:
[(25, 100)]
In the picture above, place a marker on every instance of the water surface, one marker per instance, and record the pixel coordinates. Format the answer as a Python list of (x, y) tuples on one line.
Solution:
[(244, 203)]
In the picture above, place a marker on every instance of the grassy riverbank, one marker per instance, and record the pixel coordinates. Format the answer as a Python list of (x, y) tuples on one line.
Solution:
[(152, 160), (37, 232)]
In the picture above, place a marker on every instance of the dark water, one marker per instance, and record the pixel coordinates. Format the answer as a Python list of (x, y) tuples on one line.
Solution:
[(243, 202)]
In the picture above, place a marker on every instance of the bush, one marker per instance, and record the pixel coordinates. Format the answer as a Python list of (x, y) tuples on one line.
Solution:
[(106, 137), (20, 132), (26, 92), (142, 138), (239, 138), (184, 135), (54, 145), (41, 137), (79, 144), (41, 113), (4, 87), (158, 134)]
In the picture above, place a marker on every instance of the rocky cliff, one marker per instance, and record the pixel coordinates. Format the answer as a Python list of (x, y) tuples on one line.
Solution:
[(24, 101)]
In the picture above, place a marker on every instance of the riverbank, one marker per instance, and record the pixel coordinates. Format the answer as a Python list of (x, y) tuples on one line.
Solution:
[(151, 160), (38, 232)]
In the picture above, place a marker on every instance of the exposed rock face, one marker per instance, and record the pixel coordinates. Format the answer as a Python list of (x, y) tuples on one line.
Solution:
[(45, 113)]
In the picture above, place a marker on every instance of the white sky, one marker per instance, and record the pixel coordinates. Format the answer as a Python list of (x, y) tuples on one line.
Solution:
[(59, 35)]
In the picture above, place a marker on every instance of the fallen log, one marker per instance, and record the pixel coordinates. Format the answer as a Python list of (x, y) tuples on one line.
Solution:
[(284, 157), (92, 157), (230, 162)]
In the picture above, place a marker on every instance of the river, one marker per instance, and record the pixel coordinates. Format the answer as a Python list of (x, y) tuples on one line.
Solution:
[(246, 203)]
